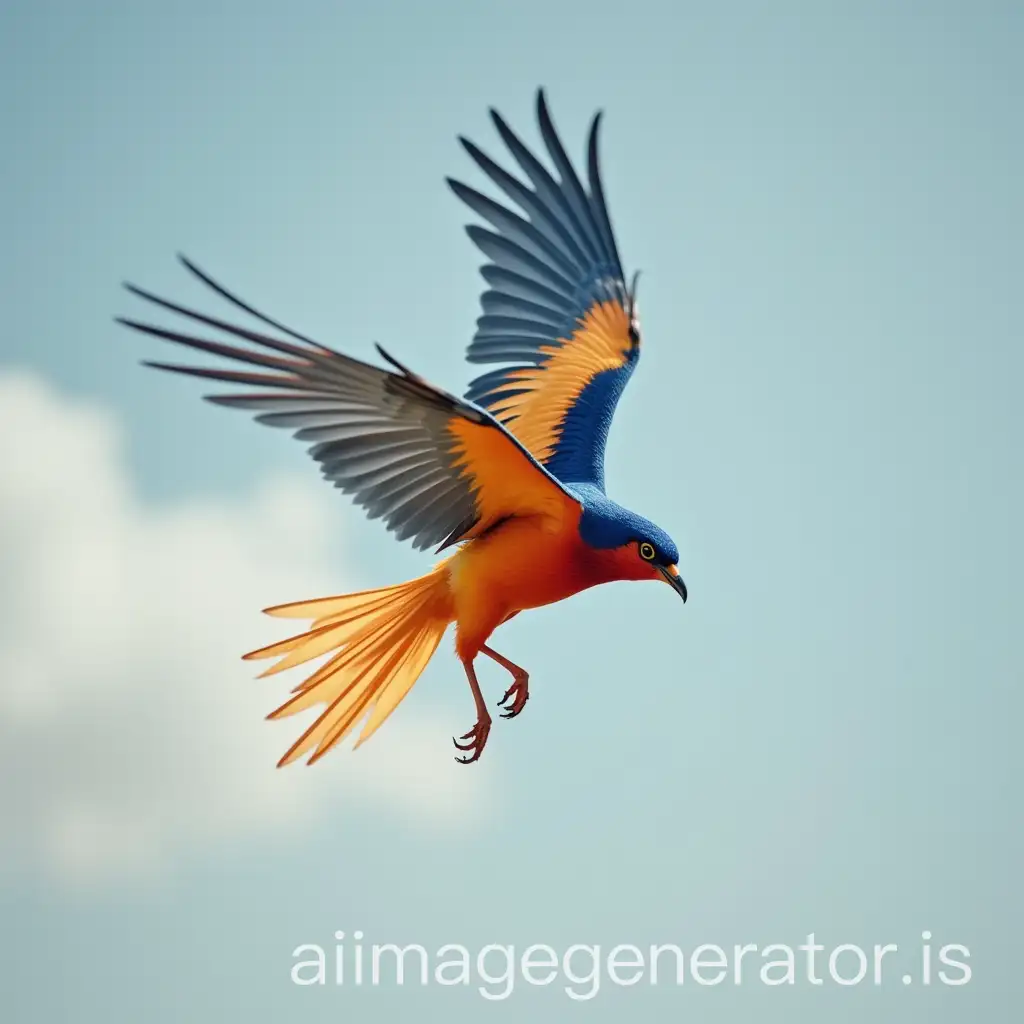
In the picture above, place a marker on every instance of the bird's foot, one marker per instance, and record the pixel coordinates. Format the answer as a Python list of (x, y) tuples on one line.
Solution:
[(519, 693), (474, 741)]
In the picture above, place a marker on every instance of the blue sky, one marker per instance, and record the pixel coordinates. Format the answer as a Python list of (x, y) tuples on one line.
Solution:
[(827, 211)]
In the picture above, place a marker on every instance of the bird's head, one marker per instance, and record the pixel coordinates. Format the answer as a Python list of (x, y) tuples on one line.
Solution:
[(632, 547), (651, 554)]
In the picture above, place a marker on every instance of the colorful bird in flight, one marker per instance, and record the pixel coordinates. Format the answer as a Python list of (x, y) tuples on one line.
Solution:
[(511, 475)]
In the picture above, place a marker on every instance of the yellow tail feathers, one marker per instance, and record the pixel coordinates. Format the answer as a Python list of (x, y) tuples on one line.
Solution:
[(382, 641)]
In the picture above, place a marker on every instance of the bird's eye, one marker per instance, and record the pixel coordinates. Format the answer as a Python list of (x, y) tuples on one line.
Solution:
[(647, 551)]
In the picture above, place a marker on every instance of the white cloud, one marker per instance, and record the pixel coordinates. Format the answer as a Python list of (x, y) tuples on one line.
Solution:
[(128, 725)]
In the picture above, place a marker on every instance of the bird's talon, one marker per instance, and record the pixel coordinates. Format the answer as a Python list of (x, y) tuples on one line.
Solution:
[(475, 741), (519, 694)]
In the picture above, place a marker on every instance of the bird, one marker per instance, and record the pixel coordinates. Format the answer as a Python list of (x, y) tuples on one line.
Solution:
[(507, 481)]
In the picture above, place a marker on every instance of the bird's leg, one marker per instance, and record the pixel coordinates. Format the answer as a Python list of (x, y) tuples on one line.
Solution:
[(519, 691), (473, 742)]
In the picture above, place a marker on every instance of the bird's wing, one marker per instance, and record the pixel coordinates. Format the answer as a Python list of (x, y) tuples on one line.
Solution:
[(557, 312), (434, 467)]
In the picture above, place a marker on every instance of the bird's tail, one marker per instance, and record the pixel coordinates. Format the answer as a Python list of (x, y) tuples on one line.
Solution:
[(381, 641)]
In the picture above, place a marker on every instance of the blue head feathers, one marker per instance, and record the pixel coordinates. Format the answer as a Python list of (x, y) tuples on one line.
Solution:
[(606, 524)]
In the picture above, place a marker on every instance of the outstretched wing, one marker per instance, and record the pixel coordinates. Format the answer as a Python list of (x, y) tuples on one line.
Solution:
[(557, 312), (435, 468)]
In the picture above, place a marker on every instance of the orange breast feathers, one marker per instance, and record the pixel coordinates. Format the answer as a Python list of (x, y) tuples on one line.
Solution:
[(523, 563)]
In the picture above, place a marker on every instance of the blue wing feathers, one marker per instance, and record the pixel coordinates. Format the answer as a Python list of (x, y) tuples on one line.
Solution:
[(575, 197), (504, 350), (493, 326), (515, 228), (598, 204), (489, 381), (511, 283), (543, 218), (549, 265), (546, 187), (509, 254), (502, 304), (580, 455)]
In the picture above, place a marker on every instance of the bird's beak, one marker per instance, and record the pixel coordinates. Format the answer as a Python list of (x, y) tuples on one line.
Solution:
[(674, 580)]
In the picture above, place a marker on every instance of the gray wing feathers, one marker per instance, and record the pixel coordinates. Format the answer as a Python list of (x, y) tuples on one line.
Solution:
[(380, 436)]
